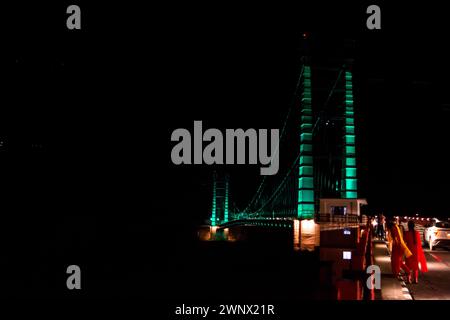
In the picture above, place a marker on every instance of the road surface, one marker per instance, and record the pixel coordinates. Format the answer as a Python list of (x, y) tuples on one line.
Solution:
[(435, 284)]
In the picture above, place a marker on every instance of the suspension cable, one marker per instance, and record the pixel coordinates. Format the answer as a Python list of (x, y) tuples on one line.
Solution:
[(258, 193), (329, 97), (294, 165)]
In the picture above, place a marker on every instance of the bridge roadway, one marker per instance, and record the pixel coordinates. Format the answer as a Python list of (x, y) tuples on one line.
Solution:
[(326, 222), (435, 284)]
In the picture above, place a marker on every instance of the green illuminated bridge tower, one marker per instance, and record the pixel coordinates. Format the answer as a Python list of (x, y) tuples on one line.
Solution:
[(220, 200), (305, 172), (349, 181), (327, 162)]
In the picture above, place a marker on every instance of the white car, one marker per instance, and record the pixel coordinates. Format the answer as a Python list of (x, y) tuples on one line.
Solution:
[(437, 233)]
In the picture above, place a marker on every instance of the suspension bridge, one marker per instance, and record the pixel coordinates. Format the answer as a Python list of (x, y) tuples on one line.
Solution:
[(320, 186)]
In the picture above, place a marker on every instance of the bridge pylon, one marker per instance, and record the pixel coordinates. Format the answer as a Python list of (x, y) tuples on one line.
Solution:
[(349, 180), (220, 210), (305, 207)]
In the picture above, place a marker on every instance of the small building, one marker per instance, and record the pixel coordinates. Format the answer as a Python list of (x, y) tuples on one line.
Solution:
[(341, 207)]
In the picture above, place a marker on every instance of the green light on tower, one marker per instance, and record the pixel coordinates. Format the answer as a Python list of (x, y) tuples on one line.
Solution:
[(225, 214), (306, 179), (349, 181), (214, 203)]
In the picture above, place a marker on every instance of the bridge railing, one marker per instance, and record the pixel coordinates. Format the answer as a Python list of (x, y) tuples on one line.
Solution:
[(327, 217), (336, 220)]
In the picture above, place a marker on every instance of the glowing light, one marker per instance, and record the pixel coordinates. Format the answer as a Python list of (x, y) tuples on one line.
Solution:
[(350, 162), (349, 180), (296, 234), (305, 208), (306, 171), (225, 217), (347, 255), (226, 232), (306, 196), (308, 226), (214, 204), (213, 230), (308, 231)]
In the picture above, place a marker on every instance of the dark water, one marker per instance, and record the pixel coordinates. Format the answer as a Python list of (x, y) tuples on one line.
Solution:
[(262, 267), (150, 260)]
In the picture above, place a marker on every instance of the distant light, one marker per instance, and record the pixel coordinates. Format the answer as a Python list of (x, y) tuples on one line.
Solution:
[(428, 219), (417, 214), (308, 226), (347, 231), (347, 255), (296, 234), (421, 219), (405, 217)]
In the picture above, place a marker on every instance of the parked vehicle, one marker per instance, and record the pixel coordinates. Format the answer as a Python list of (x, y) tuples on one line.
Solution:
[(437, 233)]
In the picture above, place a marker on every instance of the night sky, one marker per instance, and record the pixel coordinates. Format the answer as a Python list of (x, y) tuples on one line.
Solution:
[(86, 116), (119, 87)]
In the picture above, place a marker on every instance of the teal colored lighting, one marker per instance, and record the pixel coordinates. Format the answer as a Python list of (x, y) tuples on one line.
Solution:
[(349, 176), (350, 184), (351, 195), (350, 149), (306, 160), (307, 182), (306, 171), (305, 137), (349, 139), (350, 162), (214, 208), (225, 214), (307, 120), (349, 121), (305, 148), (306, 196), (350, 172), (306, 112), (349, 129), (306, 208)]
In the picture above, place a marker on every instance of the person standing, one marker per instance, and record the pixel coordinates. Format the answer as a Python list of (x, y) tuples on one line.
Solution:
[(399, 249), (374, 227), (413, 241), (380, 229)]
